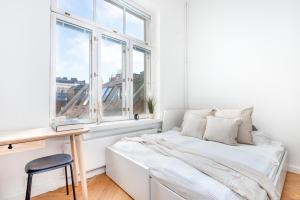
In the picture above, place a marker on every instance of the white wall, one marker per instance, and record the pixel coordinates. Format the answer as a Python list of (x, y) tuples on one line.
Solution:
[(244, 53), (168, 38), (24, 61), (24, 78)]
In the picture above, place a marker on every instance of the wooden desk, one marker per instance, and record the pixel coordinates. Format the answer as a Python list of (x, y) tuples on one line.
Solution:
[(18, 137)]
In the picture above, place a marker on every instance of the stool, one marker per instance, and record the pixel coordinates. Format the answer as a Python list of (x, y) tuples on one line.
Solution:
[(49, 163)]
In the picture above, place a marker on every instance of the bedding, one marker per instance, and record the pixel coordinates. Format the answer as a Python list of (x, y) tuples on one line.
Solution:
[(245, 181), (189, 182)]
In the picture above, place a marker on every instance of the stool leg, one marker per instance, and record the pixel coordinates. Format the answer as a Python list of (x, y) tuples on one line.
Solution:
[(29, 183), (67, 184), (73, 186)]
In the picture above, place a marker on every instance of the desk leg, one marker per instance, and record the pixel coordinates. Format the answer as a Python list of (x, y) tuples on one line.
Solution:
[(82, 168), (75, 158)]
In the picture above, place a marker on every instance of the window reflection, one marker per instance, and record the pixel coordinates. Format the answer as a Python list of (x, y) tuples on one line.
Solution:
[(72, 71)]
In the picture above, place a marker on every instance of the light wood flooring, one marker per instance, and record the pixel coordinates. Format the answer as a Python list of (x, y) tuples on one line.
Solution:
[(102, 188)]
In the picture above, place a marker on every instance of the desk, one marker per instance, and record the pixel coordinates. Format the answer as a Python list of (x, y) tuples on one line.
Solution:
[(18, 137)]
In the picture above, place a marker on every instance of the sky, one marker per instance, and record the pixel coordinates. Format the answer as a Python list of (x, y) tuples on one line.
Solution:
[(73, 44)]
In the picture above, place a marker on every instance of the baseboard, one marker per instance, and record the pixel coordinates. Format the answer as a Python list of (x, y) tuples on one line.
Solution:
[(294, 169), (51, 184)]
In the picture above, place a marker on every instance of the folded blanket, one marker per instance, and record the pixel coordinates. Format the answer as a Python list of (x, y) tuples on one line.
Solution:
[(247, 182)]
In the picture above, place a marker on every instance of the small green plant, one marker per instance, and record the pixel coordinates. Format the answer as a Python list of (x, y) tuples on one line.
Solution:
[(151, 104)]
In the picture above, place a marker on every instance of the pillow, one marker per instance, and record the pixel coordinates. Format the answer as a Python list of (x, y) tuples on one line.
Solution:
[(223, 130), (245, 129), (201, 113), (194, 125)]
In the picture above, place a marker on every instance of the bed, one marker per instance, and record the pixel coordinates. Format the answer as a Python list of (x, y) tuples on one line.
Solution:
[(146, 175)]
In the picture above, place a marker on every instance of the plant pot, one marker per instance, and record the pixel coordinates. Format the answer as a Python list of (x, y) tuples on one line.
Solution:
[(151, 115)]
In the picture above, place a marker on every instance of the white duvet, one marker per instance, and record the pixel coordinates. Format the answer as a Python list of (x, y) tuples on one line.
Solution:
[(190, 183)]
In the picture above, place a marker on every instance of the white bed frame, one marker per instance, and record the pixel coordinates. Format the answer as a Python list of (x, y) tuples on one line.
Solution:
[(135, 178)]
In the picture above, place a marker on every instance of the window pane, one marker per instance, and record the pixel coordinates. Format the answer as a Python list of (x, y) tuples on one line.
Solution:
[(73, 53), (81, 8), (135, 26), (109, 15), (112, 60), (138, 68)]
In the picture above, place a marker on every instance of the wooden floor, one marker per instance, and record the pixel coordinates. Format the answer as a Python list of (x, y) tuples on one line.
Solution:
[(102, 188), (291, 190)]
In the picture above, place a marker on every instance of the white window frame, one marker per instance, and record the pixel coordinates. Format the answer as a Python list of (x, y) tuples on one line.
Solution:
[(147, 76), (136, 10), (96, 88), (125, 114), (93, 81)]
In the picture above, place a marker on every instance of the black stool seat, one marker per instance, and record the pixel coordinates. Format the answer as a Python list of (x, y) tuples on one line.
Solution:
[(48, 163)]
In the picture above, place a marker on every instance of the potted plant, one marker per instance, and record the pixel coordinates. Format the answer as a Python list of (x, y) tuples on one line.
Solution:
[(151, 107)]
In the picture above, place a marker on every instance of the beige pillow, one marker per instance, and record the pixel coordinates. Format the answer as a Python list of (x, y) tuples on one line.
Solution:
[(245, 129), (194, 125), (223, 130), (201, 113)]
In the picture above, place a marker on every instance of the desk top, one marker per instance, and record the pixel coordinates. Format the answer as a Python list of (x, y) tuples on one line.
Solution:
[(30, 135)]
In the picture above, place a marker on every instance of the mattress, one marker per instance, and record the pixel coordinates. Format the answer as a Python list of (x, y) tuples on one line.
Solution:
[(265, 156)]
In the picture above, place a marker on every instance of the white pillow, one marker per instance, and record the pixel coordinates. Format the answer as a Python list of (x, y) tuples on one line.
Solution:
[(194, 125), (201, 113), (245, 129), (223, 130)]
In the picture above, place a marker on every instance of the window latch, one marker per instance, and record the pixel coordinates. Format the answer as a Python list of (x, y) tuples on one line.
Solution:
[(67, 14)]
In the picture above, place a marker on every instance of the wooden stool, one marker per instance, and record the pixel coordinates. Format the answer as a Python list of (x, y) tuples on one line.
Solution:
[(49, 163)]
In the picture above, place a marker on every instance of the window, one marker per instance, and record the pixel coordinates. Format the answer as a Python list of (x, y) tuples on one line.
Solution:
[(73, 63), (109, 15), (113, 15), (112, 76), (81, 8), (135, 26), (101, 60), (139, 57)]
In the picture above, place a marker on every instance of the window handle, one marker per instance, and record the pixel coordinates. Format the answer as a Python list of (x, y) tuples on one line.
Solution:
[(67, 14)]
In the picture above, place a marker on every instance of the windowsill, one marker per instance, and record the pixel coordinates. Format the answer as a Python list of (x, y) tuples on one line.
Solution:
[(106, 129)]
